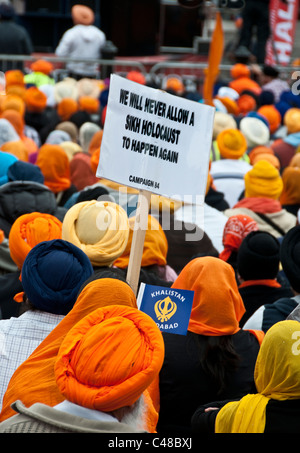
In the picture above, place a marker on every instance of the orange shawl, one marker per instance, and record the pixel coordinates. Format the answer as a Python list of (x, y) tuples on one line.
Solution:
[(155, 245), (55, 166), (34, 380), (291, 186), (218, 306)]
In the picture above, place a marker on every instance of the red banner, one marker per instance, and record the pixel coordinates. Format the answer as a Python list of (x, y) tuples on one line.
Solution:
[(283, 22)]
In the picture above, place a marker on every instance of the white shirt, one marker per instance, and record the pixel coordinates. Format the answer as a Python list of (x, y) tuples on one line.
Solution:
[(19, 337), (209, 219), (228, 176), (81, 41)]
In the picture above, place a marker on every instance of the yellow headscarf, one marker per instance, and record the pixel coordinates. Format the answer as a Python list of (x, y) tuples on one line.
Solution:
[(263, 180), (99, 228), (276, 375)]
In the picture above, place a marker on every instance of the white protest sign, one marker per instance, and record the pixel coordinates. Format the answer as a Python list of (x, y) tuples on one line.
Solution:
[(155, 141)]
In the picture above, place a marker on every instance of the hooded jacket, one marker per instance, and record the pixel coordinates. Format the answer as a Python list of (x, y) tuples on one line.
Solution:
[(22, 197), (81, 40)]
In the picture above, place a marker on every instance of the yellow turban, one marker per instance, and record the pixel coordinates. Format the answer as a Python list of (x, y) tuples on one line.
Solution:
[(99, 228), (263, 180), (155, 245), (232, 144), (29, 230)]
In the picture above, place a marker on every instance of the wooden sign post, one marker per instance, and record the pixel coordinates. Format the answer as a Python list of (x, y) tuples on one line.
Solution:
[(138, 238), (156, 143)]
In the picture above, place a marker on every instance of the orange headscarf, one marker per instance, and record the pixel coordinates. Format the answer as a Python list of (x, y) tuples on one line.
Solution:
[(236, 229), (217, 307), (29, 230), (109, 358), (34, 380), (17, 120), (55, 166), (95, 142), (81, 172), (17, 148), (291, 186), (155, 245)]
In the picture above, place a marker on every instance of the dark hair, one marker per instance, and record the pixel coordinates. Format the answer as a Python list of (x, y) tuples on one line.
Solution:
[(218, 358)]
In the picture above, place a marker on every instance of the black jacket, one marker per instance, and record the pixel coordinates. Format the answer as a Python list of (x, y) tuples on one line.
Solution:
[(258, 295), (22, 197), (281, 417), (184, 385)]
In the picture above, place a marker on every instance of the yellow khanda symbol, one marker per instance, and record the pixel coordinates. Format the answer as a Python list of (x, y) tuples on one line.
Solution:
[(165, 309)]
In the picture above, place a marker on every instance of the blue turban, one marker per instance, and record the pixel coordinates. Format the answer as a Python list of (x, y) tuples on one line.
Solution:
[(25, 171), (53, 273)]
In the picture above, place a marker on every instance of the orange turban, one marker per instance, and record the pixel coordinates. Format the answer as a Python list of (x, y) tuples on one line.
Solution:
[(136, 76), (2, 237), (232, 144), (88, 104), (291, 186), (155, 245), (239, 70), (109, 358), (230, 104), (55, 166), (272, 115), (66, 107), (34, 380), (16, 90), (217, 307), (291, 120), (14, 77), (263, 180), (175, 84), (82, 14), (269, 157), (29, 230), (13, 102), (246, 103), (35, 100), (95, 160), (42, 66), (17, 120), (259, 150)]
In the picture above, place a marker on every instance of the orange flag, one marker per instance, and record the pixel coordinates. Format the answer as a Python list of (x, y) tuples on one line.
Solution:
[(214, 59)]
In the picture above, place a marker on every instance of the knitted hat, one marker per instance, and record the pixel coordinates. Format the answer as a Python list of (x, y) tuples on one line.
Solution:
[(273, 116), (52, 275), (290, 257), (258, 256), (292, 120), (29, 230), (263, 180), (100, 229), (35, 100), (109, 358), (223, 121), (255, 131), (82, 14), (232, 144), (25, 171)]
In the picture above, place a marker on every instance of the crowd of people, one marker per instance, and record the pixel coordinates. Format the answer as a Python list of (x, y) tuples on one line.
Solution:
[(77, 353)]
